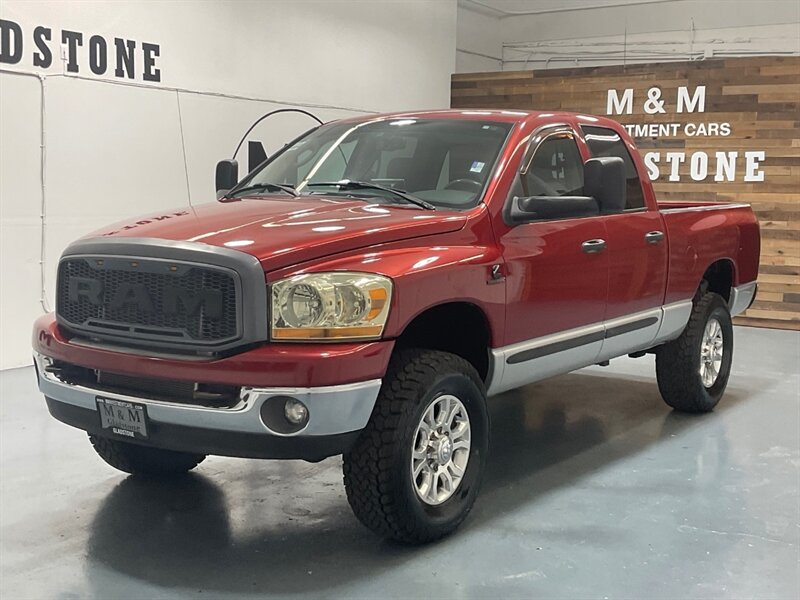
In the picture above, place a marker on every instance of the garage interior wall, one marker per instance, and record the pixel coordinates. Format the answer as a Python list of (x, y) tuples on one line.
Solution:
[(571, 54), (511, 35), (750, 108), (115, 147)]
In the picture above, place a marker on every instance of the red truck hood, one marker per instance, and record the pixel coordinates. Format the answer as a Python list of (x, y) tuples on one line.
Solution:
[(280, 232)]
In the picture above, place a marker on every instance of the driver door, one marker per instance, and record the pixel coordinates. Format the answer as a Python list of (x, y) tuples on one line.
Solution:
[(557, 272)]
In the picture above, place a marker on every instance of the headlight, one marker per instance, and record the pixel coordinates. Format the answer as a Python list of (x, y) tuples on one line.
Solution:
[(326, 306)]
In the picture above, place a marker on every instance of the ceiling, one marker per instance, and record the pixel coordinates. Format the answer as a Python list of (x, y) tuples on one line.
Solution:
[(535, 6)]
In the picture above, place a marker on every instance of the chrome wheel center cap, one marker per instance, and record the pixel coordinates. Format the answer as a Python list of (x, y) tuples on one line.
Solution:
[(443, 451)]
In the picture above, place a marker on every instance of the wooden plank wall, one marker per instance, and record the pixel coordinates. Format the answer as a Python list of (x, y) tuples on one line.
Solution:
[(760, 100)]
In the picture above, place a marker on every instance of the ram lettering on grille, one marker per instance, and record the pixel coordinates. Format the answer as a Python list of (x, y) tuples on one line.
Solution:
[(199, 301), (136, 294)]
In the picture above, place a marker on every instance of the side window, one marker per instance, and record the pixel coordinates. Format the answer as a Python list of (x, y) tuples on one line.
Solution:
[(605, 142), (556, 169)]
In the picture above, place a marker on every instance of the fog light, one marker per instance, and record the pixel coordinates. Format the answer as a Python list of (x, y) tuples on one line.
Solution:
[(295, 411), (284, 414)]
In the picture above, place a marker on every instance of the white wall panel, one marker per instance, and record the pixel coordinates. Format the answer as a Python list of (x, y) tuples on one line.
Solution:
[(94, 180), (478, 38), (379, 55), (213, 127), (114, 151), (20, 199)]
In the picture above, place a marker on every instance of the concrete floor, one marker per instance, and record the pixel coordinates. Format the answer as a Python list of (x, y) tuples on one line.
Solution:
[(595, 490)]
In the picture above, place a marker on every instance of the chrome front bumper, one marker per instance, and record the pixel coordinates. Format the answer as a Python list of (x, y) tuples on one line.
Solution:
[(332, 410)]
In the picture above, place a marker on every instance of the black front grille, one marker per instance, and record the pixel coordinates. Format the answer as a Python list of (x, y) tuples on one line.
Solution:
[(147, 299)]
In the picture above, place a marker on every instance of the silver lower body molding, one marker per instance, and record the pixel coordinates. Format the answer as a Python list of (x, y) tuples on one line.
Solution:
[(533, 360)]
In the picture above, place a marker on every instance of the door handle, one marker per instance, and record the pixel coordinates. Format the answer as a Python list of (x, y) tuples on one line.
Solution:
[(593, 246), (653, 237)]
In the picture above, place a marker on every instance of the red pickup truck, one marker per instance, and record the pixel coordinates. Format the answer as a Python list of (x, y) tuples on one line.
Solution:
[(367, 288)]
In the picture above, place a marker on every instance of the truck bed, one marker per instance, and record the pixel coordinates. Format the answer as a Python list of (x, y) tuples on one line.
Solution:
[(700, 233)]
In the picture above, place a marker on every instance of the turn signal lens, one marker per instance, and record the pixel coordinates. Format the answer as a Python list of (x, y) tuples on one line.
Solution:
[(378, 299), (330, 306)]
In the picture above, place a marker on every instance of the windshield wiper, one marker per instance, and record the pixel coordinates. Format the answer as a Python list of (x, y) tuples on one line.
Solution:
[(349, 184), (262, 187)]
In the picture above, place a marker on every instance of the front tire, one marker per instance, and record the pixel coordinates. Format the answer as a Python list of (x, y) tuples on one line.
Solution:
[(693, 370), (144, 460), (414, 473)]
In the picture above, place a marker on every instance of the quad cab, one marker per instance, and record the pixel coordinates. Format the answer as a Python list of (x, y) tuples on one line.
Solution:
[(367, 290)]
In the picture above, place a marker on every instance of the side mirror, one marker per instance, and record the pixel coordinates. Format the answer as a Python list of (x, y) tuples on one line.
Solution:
[(542, 208), (227, 175), (604, 180)]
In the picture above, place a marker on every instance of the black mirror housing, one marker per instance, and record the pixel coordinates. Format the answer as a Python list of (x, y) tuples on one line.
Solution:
[(604, 186), (604, 180), (227, 176), (544, 208), (255, 155)]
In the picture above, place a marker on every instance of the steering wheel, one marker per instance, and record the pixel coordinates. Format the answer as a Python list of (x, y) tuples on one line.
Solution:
[(464, 185)]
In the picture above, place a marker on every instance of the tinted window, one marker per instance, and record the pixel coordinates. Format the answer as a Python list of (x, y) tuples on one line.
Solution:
[(606, 142), (332, 170), (556, 169), (444, 161)]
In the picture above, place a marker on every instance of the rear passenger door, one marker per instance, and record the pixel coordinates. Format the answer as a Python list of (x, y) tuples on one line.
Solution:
[(637, 254)]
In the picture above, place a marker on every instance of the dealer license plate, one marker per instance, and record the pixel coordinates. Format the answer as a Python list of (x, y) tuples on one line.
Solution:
[(123, 418)]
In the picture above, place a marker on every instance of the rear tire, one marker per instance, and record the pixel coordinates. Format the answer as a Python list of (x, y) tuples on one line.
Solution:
[(143, 460), (414, 473), (693, 370)]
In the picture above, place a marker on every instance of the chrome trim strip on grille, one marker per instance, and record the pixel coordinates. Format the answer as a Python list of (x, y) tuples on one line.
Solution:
[(252, 323), (332, 409)]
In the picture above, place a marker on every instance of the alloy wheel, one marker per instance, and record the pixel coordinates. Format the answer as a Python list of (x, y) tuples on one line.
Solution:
[(441, 450)]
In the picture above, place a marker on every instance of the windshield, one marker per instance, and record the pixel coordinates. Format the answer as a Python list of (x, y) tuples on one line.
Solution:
[(444, 162)]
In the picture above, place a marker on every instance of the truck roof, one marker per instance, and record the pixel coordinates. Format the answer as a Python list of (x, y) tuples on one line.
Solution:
[(504, 115), (478, 114)]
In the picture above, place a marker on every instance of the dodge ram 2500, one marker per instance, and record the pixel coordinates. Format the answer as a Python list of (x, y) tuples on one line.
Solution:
[(365, 290)]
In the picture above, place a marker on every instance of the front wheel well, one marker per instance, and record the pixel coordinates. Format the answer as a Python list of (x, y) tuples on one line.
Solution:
[(460, 328)]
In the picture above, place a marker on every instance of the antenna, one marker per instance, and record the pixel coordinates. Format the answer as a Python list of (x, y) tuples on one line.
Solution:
[(269, 114)]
